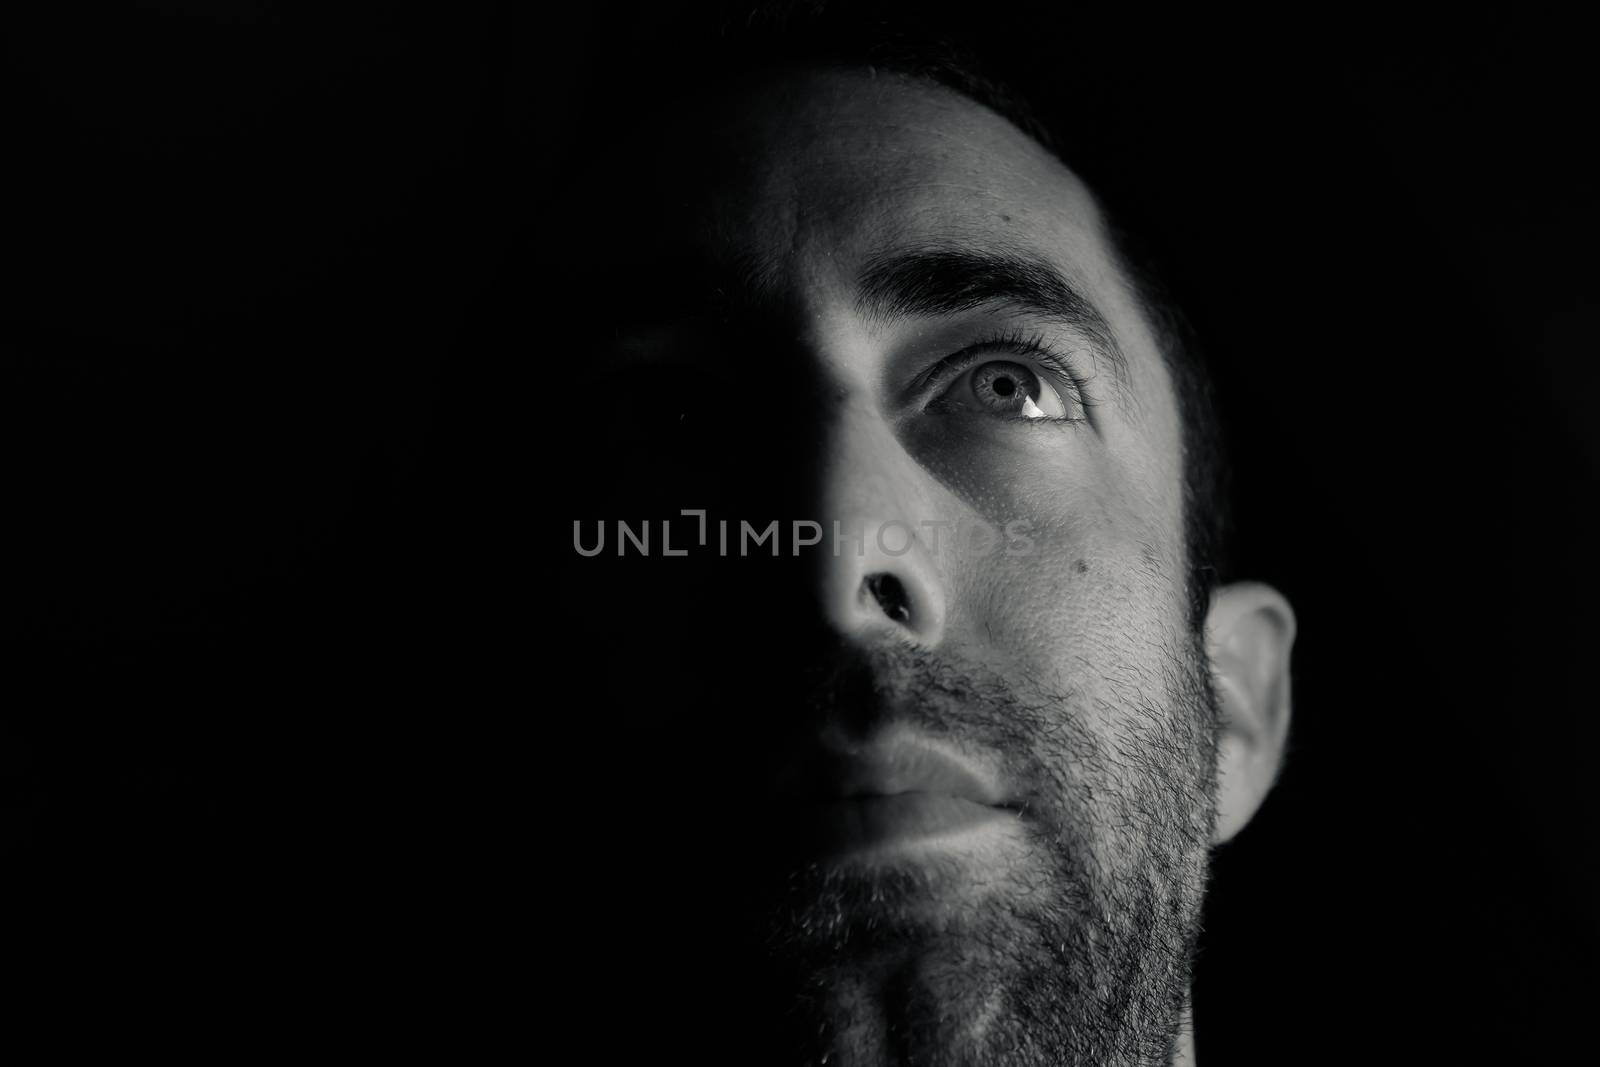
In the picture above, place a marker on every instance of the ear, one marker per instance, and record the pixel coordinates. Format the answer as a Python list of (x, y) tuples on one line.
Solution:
[(1249, 633)]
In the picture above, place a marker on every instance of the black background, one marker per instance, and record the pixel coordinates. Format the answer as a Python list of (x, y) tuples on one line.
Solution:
[(279, 703)]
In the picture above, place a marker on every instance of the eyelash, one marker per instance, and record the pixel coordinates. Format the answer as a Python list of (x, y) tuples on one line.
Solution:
[(1031, 346)]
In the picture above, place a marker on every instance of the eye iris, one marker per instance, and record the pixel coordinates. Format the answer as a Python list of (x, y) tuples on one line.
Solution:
[(1003, 385)]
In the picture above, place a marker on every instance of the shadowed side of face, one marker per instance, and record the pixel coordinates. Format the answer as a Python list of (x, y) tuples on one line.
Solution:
[(940, 753)]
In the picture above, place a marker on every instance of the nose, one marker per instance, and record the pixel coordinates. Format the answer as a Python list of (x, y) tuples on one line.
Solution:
[(880, 591), (876, 571)]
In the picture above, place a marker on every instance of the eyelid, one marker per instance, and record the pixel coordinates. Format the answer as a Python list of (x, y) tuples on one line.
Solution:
[(1058, 367)]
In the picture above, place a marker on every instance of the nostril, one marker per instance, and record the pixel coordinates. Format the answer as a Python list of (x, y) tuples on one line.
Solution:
[(891, 596)]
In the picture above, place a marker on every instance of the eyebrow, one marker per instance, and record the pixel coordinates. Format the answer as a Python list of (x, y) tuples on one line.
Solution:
[(949, 281)]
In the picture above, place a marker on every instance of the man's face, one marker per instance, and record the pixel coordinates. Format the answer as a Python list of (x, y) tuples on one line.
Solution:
[(979, 763)]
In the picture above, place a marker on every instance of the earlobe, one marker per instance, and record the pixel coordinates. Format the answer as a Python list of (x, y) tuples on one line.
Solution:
[(1250, 632)]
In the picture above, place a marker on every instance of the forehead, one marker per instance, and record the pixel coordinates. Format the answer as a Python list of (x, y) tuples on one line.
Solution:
[(815, 171)]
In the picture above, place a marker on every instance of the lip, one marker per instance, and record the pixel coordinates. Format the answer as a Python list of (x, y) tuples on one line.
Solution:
[(899, 789), (903, 763), (900, 820)]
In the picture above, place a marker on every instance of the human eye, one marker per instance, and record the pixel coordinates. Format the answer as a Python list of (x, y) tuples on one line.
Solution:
[(1012, 377)]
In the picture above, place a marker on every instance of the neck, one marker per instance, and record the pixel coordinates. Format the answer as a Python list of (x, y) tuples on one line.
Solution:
[(1183, 1056)]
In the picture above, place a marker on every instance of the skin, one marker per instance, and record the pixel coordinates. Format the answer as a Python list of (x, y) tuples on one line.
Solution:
[(1122, 744)]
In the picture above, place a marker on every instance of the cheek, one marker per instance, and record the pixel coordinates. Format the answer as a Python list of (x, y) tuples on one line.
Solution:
[(1096, 599), (1101, 585), (1073, 593)]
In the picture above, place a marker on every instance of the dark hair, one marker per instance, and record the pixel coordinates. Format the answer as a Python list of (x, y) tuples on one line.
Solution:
[(672, 53)]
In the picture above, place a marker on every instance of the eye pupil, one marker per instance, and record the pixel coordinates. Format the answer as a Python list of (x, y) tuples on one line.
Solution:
[(1004, 386)]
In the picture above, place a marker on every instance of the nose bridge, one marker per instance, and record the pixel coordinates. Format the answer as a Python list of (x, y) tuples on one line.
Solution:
[(875, 571), (866, 469)]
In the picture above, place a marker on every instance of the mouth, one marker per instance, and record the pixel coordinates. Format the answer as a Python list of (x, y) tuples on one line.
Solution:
[(898, 822), (899, 792)]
